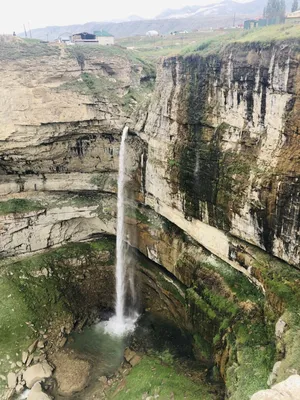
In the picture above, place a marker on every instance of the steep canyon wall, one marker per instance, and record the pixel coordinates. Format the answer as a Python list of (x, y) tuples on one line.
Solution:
[(212, 182)]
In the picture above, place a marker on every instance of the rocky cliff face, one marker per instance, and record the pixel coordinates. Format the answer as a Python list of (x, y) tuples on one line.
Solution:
[(222, 159), (212, 183)]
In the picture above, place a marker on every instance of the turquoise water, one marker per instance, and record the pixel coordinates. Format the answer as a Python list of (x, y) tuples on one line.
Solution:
[(99, 347)]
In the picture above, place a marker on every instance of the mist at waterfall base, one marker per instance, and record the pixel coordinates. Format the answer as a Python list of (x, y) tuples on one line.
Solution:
[(123, 321)]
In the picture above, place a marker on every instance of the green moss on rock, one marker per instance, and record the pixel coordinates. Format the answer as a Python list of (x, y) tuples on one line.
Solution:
[(14, 206)]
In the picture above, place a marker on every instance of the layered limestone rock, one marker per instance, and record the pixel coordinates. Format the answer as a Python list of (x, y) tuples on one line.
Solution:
[(222, 134), (212, 183)]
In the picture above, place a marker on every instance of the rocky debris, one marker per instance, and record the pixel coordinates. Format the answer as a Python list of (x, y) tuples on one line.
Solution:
[(273, 374), (129, 354), (32, 348), (24, 356), (29, 360), (279, 328), (62, 342), (8, 394), (131, 357), (285, 390), (11, 380), (71, 373), (103, 380), (36, 373), (40, 344), (36, 393), (19, 364), (19, 388), (135, 360)]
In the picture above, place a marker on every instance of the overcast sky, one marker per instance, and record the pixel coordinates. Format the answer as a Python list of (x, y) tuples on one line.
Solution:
[(41, 13)]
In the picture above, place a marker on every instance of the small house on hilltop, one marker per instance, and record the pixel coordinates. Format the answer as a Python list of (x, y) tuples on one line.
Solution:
[(104, 38), (293, 17), (84, 37)]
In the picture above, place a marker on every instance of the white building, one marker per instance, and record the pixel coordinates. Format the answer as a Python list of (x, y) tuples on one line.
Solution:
[(152, 33)]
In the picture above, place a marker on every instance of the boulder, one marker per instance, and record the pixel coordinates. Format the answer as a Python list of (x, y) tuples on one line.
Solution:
[(19, 388), (24, 356), (285, 390), (129, 354), (279, 328), (36, 393), (135, 360), (32, 348), (71, 373), (29, 360), (273, 375), (36, 373), (40, 344), (103, 380), (11, 380)]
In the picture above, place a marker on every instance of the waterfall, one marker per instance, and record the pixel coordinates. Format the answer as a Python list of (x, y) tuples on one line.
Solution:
[(120, 266), (121, 323)]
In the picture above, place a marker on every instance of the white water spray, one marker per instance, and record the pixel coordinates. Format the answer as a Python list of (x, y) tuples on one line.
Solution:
[(120, 323), (120, 268)]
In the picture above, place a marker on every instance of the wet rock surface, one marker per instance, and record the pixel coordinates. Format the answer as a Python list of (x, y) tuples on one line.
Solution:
[(71, 373)]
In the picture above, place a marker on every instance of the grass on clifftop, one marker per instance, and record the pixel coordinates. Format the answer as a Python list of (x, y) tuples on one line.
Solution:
[(266, 35), (18, 48)]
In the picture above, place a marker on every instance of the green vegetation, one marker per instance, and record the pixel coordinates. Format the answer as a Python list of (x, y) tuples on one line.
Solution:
[(152, 48), (105, 180), (144, 215), (280, 279), (295, 6), (136, 213), (275, 9), (272, 34), (228, 311), (103, 204), (252, 357), (90, 84), (290, 345), (15, 50), (154, 377), (264, 36), (238, 283), (138, 95), (173, 163), (41, 288), (15, 206), (16, 334), (90, 51)]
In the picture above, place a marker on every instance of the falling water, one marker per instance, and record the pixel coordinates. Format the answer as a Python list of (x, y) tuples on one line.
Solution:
[(120, 323), (120, 267)]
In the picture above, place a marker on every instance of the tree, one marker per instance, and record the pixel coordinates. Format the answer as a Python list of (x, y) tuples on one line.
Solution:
[(295, 6), (274, 9)]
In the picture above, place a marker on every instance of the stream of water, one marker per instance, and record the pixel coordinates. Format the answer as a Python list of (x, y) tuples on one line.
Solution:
[(121, 322)]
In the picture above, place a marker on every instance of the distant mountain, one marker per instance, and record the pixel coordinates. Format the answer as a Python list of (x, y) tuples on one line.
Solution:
[(134, 18), (172, 13), (128, 19), (216, 15), (222, 7)]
